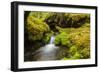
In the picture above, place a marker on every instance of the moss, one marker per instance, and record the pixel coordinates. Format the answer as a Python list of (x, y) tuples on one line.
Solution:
[(63, 39), (65, 20), (65, 58), (71, 31), (81, 37), (76, 56), (57, 40), (76, 39), (40, 15), (47, 37), (73, 50), (36, 28), (85, 53)]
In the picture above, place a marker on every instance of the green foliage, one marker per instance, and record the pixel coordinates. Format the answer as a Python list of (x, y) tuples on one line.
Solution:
[(36, 28), (47, 37), (85, 53), (81, 37), (76, 56), (71, 31), (66, 30), (57, 40), (73, 50), (63, 39), (40, 15), (79, 41), (65, 58), (77, 19), (65, 20)]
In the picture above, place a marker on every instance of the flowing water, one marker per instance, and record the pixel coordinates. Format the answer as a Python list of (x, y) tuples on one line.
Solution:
[(52, 40), (47, 52)]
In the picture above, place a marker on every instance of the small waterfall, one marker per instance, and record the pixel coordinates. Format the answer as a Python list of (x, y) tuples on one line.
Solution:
[(48, 52), (52, 40)]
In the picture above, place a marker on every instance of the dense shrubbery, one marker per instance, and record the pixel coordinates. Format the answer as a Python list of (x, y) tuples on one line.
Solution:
[(36, 28), (71, 30), (63, 39), (40, 15), (65, 20), (77, 39)]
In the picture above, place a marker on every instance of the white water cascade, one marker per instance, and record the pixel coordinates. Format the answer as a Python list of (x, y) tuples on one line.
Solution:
[(52, 40), (48, 52)]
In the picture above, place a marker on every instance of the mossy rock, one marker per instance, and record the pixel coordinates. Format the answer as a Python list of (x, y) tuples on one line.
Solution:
[(63, 39), (73, 50), (36, 28)]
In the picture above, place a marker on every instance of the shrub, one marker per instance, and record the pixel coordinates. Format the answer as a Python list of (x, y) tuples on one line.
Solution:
[(85, 53), (65, 20), (77, 19), (81, 39), (40, 15), (57, 40), (36, 28), (73, 50), (65, 58), (76, 56), (63, 39)]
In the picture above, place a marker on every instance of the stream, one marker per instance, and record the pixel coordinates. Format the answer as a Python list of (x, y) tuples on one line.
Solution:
[(47, 52)]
